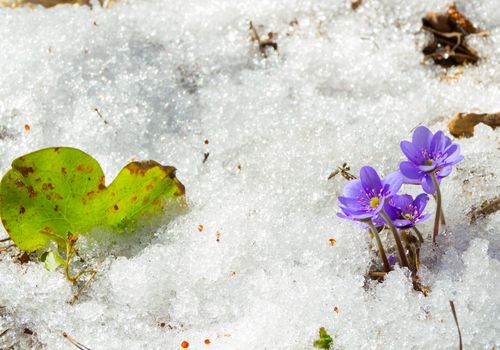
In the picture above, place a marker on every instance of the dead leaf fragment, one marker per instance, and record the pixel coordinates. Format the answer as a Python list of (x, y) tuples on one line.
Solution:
[(355, 4), (448, 46), (459, 19), (344, 171), (419, 287), (462, 124), (264, 44), (487, 207)]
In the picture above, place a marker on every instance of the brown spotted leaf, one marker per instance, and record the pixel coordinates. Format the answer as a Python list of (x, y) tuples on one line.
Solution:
[(56, 191)]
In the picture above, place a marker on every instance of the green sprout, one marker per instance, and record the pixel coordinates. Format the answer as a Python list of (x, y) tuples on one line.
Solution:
[(324, 341)]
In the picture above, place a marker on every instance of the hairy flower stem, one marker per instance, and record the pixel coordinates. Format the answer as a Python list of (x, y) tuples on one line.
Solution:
[(401, 251), (438, 207), (419, 235), (443, 221), (387, 266)]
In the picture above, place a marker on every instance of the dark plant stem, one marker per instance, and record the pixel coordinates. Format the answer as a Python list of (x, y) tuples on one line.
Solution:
[(419, 235), (401, 251), (387, 266), (438, 207)]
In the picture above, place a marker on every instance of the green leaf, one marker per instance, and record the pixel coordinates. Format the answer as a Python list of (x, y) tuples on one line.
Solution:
[(53, 192), (51, 260), (324, 340)]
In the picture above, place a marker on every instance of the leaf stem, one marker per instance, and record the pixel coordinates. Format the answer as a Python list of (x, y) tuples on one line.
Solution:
[(70, 250), (438, 207), (69, 255), (402, 255), (77, 294), (387, 266)]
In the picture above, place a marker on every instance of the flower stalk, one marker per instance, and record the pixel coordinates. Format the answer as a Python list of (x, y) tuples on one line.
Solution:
[(387, 266), (419, 235), (438, 207), (401, 251)]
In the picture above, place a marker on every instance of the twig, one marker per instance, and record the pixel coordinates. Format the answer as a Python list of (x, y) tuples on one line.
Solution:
[(74, 342), (74, 299), (263, 44), (100, 116), (452, 305), (377, 274), (5, 331), (344, 171), (5, 239), (205, 157)]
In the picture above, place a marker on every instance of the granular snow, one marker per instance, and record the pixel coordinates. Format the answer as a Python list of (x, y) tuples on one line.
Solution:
[(344, 86)]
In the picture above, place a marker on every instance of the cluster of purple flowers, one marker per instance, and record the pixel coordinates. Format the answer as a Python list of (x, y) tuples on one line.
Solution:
[(375, 202)]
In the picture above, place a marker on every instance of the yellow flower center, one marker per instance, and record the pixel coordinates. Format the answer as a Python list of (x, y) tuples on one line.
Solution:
[(374, 202), (408, 216), (429, 162)]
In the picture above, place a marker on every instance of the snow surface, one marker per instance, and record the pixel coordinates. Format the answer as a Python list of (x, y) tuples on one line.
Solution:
[(345, 87)]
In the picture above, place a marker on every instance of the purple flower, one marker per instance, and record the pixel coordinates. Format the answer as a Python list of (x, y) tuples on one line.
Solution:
[(406, 212), (427, 154), (365, 197), (391, 259)]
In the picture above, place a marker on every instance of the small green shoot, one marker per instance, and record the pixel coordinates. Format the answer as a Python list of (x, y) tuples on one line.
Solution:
[(56, 194), (324, 340), (51, 260)]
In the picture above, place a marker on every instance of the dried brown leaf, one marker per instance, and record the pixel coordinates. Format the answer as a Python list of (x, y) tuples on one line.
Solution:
[(448, 47), (462, 124), (460, 20)]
